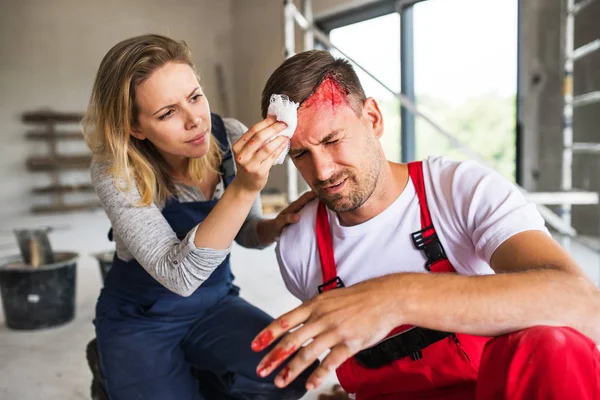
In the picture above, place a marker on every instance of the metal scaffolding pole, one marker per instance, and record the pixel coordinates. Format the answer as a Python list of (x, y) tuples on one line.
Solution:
[(290, 44), (567, 156), (407, 72)]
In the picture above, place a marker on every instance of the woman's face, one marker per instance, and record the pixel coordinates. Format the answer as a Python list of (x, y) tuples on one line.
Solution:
[(173, 113)]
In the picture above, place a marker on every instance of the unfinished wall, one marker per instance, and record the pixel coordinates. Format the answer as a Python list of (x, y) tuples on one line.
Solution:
[(587, 119), (50, 52), (542, 63)]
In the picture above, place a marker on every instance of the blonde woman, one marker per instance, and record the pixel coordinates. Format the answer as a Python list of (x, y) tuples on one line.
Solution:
[(164, 170)]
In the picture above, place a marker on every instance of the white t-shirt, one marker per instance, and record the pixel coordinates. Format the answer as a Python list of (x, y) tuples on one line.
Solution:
[(474, 210)]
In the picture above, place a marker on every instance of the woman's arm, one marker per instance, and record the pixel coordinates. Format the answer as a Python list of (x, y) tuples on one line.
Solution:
[(176, 264), (182, 266)]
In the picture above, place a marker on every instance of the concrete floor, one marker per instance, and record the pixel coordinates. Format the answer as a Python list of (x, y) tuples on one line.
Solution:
[(50, 364)]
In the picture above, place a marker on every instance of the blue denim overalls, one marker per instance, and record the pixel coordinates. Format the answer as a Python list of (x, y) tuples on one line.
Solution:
[(155, 344)]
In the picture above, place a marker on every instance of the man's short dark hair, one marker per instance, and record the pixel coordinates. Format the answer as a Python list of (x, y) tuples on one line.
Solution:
[(299, 76)]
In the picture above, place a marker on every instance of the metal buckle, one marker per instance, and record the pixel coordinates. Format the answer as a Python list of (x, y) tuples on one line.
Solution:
[(338, 284)]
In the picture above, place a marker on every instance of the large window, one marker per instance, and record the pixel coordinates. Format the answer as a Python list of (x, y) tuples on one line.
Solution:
[(464, 73), (466, 77), (375, 45)]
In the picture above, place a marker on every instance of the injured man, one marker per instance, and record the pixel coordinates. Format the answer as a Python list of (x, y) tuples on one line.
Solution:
[(427, 280)]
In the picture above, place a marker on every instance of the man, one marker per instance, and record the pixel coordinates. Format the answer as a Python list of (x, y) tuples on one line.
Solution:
[(453, 287)]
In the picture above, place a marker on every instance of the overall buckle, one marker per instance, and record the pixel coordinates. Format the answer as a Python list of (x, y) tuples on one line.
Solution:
[(430, 245), (326, 286)]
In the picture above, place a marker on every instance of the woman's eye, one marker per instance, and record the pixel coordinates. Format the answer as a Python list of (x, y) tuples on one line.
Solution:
[(166, 115), (333, 141), (196, 97)]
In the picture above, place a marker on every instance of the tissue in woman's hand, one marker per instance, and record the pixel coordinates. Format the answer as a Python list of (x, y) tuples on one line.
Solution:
[(285, 110)]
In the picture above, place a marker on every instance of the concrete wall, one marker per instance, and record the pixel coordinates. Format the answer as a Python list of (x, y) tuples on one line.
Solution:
[(50, 52)]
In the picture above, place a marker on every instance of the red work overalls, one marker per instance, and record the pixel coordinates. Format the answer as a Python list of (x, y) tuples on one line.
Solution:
[(449, 368)]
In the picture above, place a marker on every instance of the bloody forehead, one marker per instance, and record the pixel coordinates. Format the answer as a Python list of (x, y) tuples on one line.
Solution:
[(329, 93)]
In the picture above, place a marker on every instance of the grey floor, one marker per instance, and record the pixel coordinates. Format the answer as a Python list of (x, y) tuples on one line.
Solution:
[(50, 364)]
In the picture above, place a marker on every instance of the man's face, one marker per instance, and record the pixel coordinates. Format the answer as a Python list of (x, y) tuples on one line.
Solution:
[(336, 151)]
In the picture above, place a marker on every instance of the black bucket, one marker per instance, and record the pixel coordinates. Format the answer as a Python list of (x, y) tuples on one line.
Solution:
[(42, 297), (105, 259)]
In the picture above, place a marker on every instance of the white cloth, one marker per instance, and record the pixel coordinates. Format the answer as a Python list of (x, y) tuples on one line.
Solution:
[(473, 208), (284, 110)]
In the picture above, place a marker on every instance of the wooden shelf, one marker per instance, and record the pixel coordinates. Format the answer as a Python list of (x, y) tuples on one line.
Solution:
[(55, 163), (43, 135), (46, 117), (83, 188), (42, 163), (54, 208)]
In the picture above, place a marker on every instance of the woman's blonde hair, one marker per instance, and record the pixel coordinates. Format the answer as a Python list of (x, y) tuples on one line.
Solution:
[(112, 114)]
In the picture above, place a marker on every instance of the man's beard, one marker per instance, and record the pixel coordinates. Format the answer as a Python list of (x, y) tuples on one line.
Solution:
[(357, 196)]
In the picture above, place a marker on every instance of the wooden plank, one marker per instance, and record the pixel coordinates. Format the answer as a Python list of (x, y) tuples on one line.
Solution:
[(64, 189), (57, 208), (45, 117), (42, 135), (41, 163)]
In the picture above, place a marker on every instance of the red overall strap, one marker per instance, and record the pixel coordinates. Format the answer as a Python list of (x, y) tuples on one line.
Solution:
[(415, 170), (325, 241), (325, 246)]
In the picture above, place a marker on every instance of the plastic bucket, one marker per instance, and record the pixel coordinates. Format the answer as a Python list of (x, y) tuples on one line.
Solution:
[(42, 297), (105, 260)]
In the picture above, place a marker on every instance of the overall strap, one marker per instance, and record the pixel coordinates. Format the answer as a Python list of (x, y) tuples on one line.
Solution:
[(427, 239), (227, 168), (325, 248)]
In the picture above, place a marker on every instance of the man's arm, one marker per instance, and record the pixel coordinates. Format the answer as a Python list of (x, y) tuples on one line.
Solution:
[(537, 283)]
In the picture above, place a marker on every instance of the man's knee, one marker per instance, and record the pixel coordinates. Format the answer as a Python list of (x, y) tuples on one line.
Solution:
[(551, 340), (539, 345)]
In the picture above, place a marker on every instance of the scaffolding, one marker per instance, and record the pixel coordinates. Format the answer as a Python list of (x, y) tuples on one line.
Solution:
[(560, 222), (570, 148)]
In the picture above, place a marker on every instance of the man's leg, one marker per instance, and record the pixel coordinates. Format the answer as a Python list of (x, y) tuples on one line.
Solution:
[(540, 363), (219, 342)]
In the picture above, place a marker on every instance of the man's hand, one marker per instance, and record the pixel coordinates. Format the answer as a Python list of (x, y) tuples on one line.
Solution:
[(344, 321)]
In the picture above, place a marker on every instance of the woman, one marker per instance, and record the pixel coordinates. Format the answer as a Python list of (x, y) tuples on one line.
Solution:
[(164, 172)]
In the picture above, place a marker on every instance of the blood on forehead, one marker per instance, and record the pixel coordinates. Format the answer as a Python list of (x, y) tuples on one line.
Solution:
[(329, 94), (318, 114)]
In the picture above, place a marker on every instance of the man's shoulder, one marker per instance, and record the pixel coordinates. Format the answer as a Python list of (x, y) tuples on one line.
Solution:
[(302, 231), (446, 177), (446, 168)]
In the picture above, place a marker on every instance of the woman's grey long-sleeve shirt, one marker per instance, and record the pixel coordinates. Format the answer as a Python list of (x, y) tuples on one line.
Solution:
[(142, 233)]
